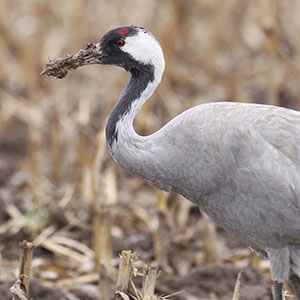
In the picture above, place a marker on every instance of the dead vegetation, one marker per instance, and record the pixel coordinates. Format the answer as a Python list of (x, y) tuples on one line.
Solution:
[(20, 290), (59, 67), (61, 190)]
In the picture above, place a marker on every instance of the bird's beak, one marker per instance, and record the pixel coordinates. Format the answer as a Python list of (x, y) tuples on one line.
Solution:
[(59, 67)]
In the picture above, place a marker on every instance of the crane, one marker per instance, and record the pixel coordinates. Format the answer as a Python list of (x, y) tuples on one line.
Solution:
[(239, 162)]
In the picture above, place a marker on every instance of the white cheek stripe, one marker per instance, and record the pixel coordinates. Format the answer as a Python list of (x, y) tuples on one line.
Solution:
[(144, 48)]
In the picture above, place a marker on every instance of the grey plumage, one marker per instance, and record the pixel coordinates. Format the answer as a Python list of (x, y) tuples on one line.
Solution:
[(240, 163)]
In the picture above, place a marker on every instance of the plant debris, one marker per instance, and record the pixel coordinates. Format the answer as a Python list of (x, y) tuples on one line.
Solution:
[(59, 67)]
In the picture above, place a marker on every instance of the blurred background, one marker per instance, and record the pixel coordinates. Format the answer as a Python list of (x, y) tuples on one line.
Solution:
[(61, 189)]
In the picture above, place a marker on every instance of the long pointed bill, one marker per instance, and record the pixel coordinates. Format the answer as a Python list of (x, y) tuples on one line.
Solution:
[(60, 66)]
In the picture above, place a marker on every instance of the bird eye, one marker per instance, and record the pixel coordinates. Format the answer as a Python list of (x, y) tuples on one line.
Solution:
[(119, 43)]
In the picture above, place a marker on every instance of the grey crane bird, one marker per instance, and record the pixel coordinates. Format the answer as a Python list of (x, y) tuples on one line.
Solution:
[(239, 162)]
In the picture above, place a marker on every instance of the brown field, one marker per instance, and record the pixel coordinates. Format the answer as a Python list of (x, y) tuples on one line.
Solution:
[(59, 187)]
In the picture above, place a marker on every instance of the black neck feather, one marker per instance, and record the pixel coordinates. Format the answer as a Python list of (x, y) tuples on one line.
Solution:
[(140, 78)]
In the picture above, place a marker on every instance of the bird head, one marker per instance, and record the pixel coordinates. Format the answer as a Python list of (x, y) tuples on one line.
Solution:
[(130, 47)]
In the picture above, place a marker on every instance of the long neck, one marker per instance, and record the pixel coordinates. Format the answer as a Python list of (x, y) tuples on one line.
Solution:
[(130, 101), (122, 140)]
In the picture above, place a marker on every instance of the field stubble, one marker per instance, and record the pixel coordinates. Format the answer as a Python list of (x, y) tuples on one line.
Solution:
[(61, 190)]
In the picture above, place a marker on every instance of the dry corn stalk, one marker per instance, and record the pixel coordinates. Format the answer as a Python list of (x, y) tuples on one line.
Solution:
[(126, 288), (103, 282), (126, 270), (210, 240), (17, 291), (26, 249), (20, 289), (236, 293), (162, 230), (102, 224), (149, 281)]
